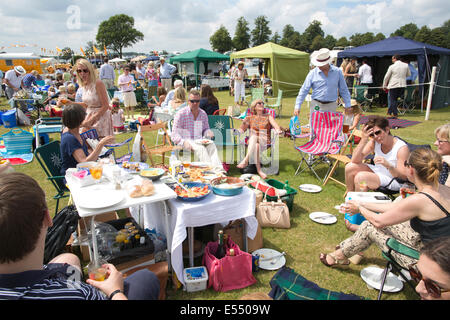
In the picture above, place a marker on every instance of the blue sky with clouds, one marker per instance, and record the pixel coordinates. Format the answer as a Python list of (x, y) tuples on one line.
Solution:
[(179, 25)]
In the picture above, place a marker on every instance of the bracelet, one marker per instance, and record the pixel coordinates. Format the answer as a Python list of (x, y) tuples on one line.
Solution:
[(114, 293)]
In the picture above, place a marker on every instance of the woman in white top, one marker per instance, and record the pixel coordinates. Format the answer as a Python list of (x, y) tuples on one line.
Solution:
[(390, 155), (178, 101), (239, 76)]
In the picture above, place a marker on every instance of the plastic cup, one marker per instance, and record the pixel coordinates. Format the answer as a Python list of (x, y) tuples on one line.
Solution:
[(97, 272)]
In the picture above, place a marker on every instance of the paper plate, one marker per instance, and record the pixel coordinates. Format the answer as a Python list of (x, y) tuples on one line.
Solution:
[(372, 276), (322, 217), (204, 142), (199, 164), (142, 166), (312, 188), (97, 199), (264, 256)]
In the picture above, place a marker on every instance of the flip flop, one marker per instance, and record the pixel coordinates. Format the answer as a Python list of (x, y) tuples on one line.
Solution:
[(337, 262)]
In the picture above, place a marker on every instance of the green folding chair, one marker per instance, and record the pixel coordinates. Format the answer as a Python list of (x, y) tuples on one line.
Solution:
[(224, 134), (399, 248), (256, 93), (49, 157), (362, 97), (277, 105), (407, 102)]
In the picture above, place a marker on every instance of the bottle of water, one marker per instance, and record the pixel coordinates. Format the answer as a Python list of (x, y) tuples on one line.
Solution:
[(348, 215), (172, 163)]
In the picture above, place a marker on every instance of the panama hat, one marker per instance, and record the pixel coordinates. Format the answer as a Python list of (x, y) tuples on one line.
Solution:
[(321, 57), (20, 70)]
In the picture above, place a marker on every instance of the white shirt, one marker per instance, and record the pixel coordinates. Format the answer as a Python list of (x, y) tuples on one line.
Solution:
[(15, 80), (365, 74), (117, 118)]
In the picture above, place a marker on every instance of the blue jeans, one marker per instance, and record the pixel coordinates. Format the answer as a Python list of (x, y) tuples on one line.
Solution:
[(141, 285)]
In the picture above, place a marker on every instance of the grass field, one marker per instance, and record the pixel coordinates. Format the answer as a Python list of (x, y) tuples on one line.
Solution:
[(305, 239)]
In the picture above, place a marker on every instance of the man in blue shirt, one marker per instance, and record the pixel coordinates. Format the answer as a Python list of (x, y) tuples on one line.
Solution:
[(29, 81), (412, 78), (326, 82), (107, 74), (165, 73)]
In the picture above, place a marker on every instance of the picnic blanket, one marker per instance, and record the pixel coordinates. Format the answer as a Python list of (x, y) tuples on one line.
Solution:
[(393, 123), (16, 159), (288, 285)]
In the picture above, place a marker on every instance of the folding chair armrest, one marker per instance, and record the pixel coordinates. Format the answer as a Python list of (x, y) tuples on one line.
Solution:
[(55, 177), (396, 246)]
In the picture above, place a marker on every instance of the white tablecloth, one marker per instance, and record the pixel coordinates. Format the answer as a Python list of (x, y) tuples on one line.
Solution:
[(216, 83), (213, 209)]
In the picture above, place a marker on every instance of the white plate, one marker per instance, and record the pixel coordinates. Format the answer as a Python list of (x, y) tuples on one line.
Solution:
[(265, 253), (96, 199), (322, 217), (372, 276), (312, 188), (204, 142), (199, 164)]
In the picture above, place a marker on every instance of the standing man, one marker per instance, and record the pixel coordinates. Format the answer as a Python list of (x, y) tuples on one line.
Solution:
[(365, 76), (13, 80), (326, 82), (165, 73), (190, 124), (395, 82), (107, 74)]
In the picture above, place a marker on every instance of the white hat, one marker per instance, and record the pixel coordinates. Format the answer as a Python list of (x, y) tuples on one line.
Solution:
[(20, 70), (321, 57)]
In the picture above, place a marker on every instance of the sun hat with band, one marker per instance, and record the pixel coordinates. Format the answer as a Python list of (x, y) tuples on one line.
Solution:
[(321, 57), (20, 70)]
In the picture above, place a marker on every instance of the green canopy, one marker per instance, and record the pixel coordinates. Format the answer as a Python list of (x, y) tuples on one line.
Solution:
[(287, 68), (197, 56)]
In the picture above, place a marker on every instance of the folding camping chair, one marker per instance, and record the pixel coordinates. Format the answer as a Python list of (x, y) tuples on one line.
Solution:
[(277, 104), (224, 136), (362, 97), (326, 138), (399, 248), (407, 102), (255, 93), (92, 134), (164, 117), (49, 157), (158, 149)]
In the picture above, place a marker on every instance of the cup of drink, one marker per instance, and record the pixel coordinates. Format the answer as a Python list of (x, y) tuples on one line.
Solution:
[(363, 186), (345, 128), (97, 272), (96, 171), (186, 164), (407, 189)]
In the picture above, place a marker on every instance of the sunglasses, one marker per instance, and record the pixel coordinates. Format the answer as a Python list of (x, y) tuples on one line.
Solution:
[(376, 133), (406, 163), (194, 101), (441, 141), (432, 288), (82, 70), (260, 103)]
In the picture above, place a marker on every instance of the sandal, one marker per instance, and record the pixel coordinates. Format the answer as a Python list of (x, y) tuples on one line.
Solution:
[(356, 259), (323, 259)]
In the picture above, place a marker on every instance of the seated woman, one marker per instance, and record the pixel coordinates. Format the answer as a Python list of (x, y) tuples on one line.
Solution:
[(73, 148), (260, 125), (442, 143), (178, 101), (415, 220), (157, 100), (208, 102), (433, 270), (390, 155)]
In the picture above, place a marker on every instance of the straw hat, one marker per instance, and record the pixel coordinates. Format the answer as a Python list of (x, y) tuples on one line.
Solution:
[(241, 62), (20, 70), (321, 57)]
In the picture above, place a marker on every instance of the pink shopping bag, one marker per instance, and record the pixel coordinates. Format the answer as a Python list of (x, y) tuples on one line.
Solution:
[(230, 272)]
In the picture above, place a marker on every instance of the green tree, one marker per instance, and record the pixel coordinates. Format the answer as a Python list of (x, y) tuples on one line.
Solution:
[(276, 38), (446, 30), (241, 39), (360, 39), (379, 36), (438, 37), (317, 43), (423, 35), (66, 53), (118, 32), (261, 33), (288, 32), (221, 40), (329, 42), (342, 42), (408, 31), (313, 30)]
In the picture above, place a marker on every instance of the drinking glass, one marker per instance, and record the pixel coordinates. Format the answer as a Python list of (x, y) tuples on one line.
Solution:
[(96, 271), (96, 171), (407, 189)]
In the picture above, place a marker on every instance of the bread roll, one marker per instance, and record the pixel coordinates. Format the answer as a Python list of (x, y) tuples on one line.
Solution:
[(136, 192), (147, 188)]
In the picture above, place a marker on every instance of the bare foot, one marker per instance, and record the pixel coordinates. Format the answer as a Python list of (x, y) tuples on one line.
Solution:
[(242, 165), (351, 227), (262, 175)]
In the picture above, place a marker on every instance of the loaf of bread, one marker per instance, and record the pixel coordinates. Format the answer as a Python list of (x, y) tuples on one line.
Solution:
[(147, 187), (136, 192)]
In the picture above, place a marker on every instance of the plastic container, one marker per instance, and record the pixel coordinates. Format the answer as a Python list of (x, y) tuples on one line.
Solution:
[(9, 119), (195, 278), (288, 197)]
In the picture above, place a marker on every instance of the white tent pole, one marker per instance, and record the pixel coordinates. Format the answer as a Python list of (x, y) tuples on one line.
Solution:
[(430, 92)]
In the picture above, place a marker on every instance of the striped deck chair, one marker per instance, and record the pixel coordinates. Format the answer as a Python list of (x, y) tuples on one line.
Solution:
[(326, 138)]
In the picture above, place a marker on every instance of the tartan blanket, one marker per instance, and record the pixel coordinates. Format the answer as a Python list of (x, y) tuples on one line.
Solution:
[(393, 123), (288, 285)]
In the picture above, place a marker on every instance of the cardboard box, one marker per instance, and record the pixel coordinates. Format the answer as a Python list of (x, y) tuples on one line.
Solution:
[(139, 262)]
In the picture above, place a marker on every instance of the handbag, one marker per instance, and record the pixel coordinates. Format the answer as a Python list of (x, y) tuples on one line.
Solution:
[(230, 272), (273, 214)]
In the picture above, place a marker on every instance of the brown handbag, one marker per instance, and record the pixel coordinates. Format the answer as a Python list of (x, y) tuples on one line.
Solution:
[(273, 214)]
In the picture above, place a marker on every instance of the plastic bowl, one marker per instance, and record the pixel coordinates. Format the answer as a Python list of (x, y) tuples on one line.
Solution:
[(194, 184), (85, 165), (227, 191), (152, 173)]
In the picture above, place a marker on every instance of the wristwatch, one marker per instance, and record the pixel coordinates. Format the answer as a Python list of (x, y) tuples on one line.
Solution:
[(114, 293)]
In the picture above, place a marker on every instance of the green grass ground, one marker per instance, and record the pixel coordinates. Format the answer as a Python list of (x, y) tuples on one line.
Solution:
[(305, 239)]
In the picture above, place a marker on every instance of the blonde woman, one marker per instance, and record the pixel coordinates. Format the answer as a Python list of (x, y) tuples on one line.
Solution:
[(260, 126), (94, 98), (415, 220), (442, 143), (178, 101)]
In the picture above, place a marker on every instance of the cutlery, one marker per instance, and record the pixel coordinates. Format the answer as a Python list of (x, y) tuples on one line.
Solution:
[(274, 257)]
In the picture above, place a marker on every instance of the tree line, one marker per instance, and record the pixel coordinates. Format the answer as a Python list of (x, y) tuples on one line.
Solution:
[(313, 37)]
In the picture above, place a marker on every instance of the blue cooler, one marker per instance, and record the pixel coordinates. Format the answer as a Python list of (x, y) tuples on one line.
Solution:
[(357, 218), (9, 119), (373, 197)]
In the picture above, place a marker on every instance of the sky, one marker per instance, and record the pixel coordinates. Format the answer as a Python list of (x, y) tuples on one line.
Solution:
[(183, 25)]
